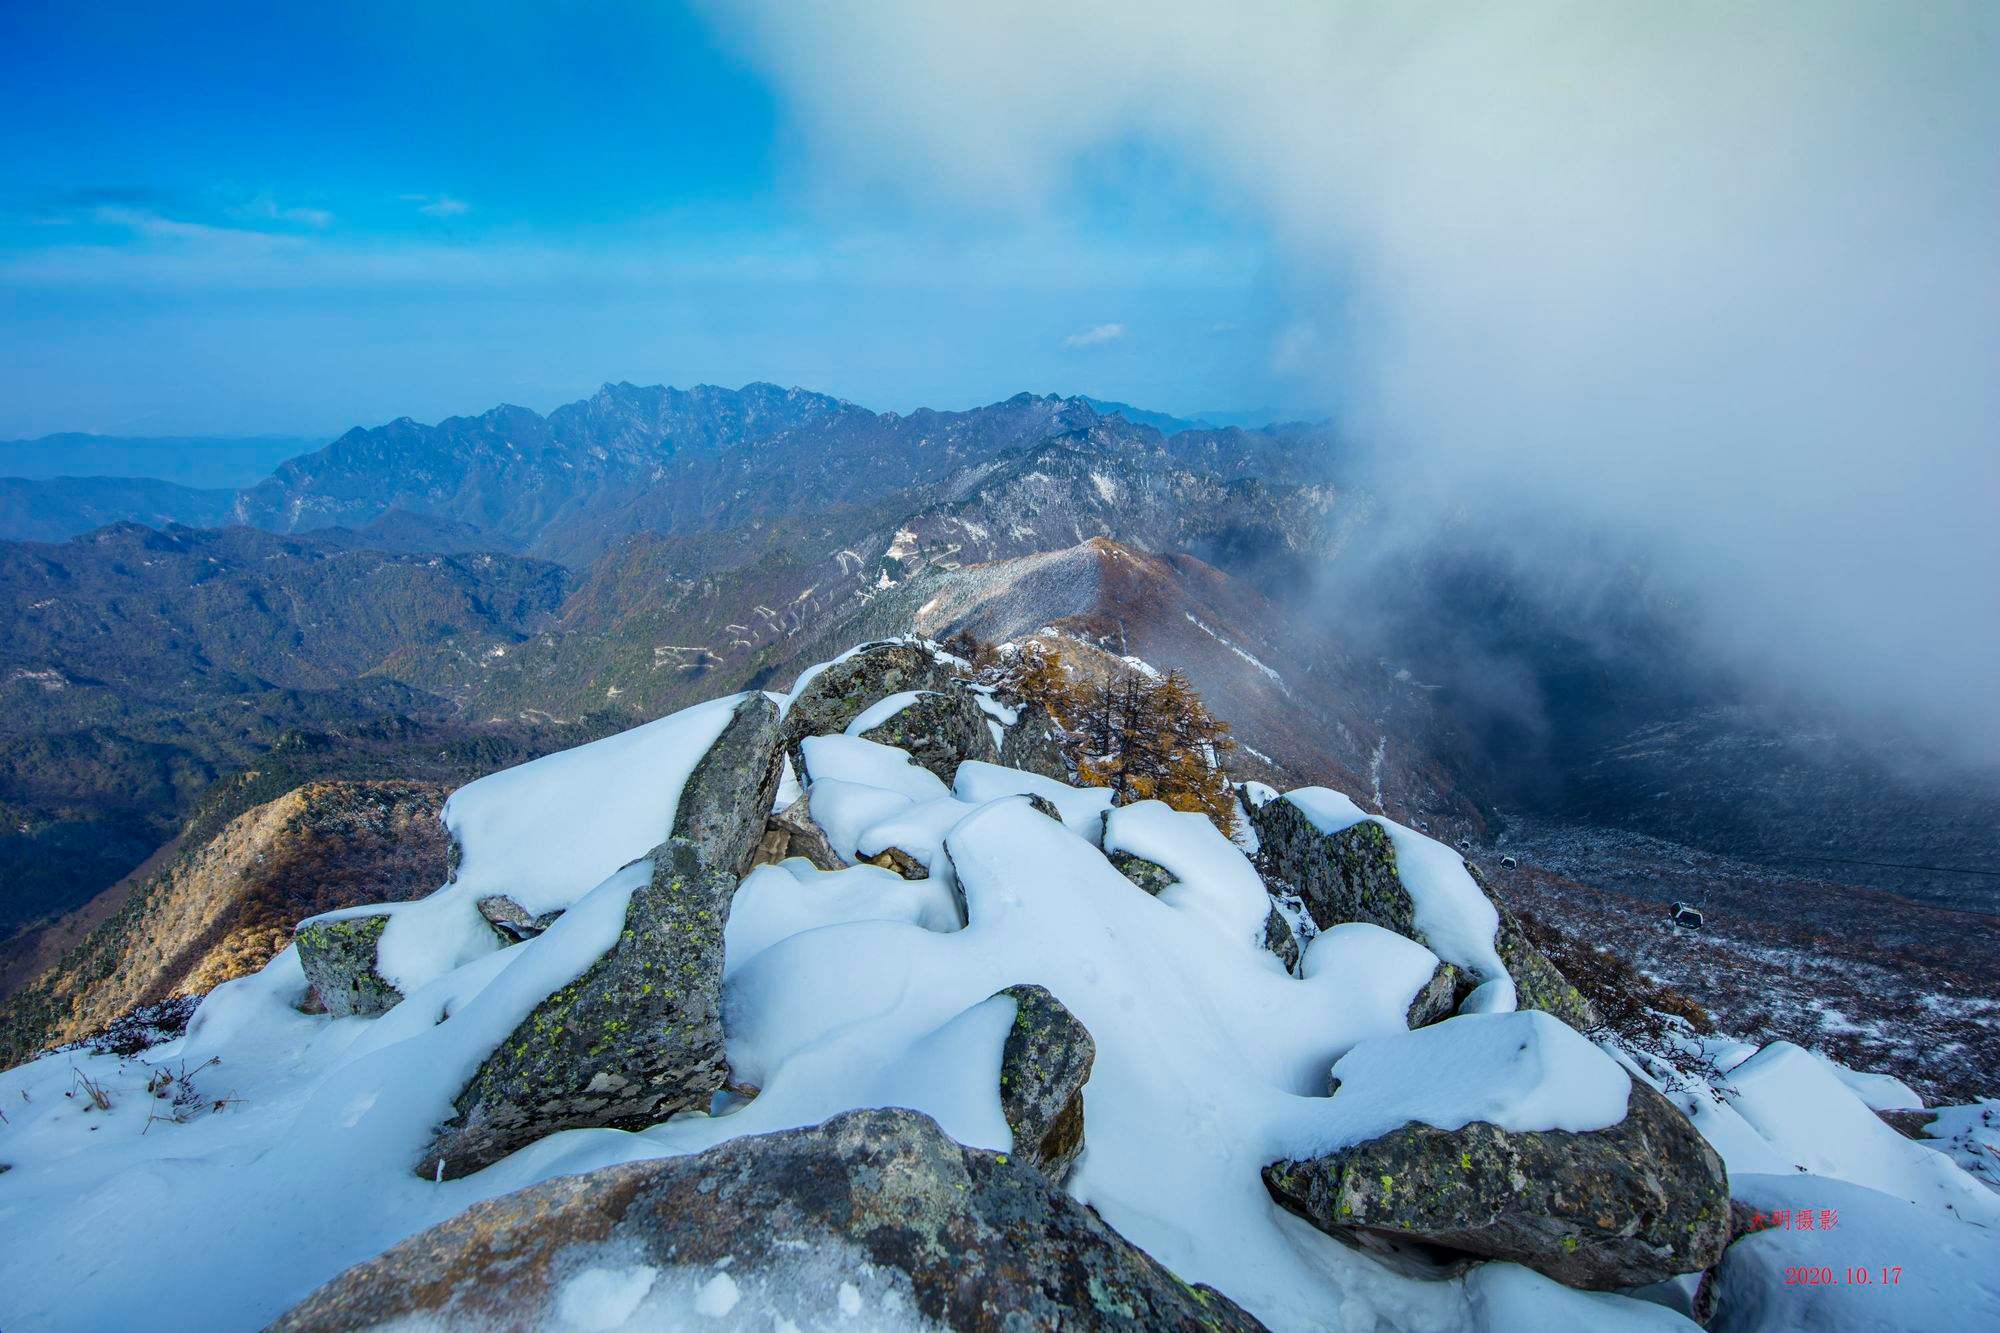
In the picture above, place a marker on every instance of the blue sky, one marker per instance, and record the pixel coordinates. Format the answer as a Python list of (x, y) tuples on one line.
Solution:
[(294, 218)]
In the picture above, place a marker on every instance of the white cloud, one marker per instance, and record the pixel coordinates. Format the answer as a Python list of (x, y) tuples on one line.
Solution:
[(437, 205), (1096, 336), (1723, 277), (266, 208)]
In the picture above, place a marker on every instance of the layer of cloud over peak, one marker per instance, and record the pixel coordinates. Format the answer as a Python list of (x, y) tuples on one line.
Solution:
[(1721, 278)]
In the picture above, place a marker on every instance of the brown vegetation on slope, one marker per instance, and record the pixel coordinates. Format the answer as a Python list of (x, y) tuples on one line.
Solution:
[(224, 908)]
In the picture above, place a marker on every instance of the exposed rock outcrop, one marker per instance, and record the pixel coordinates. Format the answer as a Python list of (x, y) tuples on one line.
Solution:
[(843, 690), (1281, 939), (940, 729), (1148, 875), (1030, 744), (881, 1200), (727, 797), (338, 956), (1632, 1204), (1438, 999), (899, 862), (1043, 1068), (635, 1039), (803, 836), (513, 921), (1352, 876)]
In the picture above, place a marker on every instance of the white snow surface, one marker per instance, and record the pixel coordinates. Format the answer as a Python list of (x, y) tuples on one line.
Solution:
[(1212, 875), (1947, 1274), (1455, 917), (1082, 808), (1881, 1092), (842, 989), (543, 833), (875, 714), (1810, 1118)]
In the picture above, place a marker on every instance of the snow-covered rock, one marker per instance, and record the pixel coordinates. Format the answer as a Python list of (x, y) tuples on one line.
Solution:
[(337, 951), (827, 698), (938, 729), (872, 1220), (1541, 1152), (653, 1014)]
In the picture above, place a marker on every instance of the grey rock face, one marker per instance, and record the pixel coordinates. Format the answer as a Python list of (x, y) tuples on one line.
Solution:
[(1281, 940), (1345, 876), (1030, 745), (1438, 999), (513, 921), (1538, 982), (941, 729), (1620, 1207), (1351, 876), (969, 1239), (1148, 875), (900, 862), (635, 1039), (339, 960), (1043, 1068), (803, 835), (1041, 803), (727, 798), (840, 693)]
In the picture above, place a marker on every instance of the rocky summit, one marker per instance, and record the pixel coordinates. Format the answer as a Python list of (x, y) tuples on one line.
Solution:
[(807, 1009)]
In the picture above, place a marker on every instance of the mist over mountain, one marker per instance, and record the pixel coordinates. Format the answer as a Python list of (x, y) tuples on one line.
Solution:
[(646, 547)]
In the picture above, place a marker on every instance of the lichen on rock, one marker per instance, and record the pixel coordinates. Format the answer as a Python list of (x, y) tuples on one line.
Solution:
[(633, 1040), (1438, 998), (338, 955), (844, 689), (1148, 875), (726, 800), (1043, 1067), (940, 729), (1635, 1203)]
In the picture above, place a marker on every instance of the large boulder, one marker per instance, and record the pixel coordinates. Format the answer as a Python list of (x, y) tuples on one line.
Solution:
[(338, 955), (1352, 876), (635, 1039), (840, 691), (1043, 1067), (873, 1218), (940, 729), (727, 797), (1635, 1203)]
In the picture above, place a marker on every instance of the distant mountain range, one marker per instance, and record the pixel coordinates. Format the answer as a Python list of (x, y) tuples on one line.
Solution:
[(204, 462), (647, 547)]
